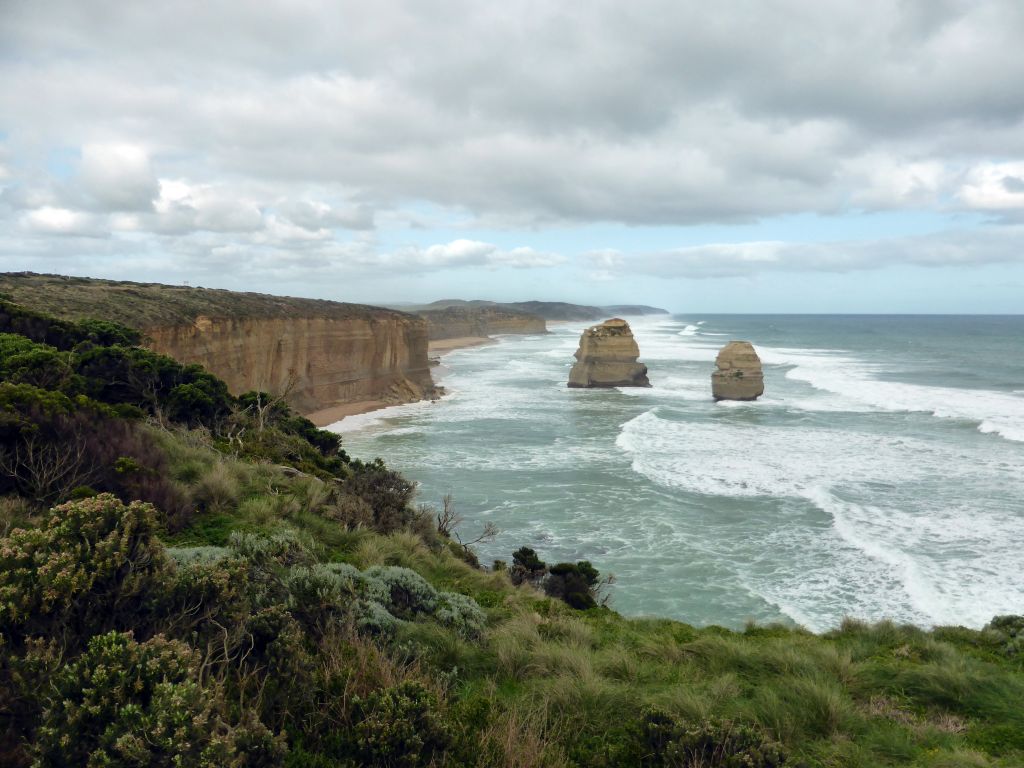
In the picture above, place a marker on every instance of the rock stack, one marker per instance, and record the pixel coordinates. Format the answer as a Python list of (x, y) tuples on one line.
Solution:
[(739, 375), (607, 358)]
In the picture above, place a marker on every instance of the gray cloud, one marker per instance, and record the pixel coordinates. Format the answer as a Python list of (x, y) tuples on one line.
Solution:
[(239, 135), (653, 112)]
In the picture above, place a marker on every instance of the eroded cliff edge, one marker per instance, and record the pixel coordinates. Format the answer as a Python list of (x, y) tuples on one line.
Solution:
[(323, 353)]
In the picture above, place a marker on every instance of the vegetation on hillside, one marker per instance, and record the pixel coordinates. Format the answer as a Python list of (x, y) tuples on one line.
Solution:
[(193, 579), (152, 305)]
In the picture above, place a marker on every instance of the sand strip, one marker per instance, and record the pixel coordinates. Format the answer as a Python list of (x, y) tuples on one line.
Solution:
[(440, 346), (336, 413)]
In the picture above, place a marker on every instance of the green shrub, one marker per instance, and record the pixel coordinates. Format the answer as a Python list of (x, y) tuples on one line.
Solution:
[(93, 565), (400, 727), (573, 583), (386, 492), (658, 739), (125, 703), (1010, 630)]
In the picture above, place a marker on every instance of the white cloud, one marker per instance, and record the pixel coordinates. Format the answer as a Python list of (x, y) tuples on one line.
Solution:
[(995, 187), (118, 177), (61, 221)]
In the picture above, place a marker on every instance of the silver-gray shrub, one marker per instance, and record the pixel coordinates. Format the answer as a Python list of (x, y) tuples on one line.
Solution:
[(408, 593), (460, 613), (283, 546), (186, 556)]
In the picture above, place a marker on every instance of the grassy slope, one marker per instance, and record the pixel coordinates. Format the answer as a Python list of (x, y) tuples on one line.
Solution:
[(559, 684), (547, 685), (151, 305)]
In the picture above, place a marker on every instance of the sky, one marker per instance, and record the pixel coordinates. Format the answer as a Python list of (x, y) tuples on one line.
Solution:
[(749, 156)]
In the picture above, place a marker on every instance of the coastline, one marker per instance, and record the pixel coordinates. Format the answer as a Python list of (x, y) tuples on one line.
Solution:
[(326, 417), (443, 346)]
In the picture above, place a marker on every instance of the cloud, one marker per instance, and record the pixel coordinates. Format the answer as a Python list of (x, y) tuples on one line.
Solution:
[(995, 187), (118, 177), (62, 221), (468, 253), (270, 141), (722, 260), (658, 112)]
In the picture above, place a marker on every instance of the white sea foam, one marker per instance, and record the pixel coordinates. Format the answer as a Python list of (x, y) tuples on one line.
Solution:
[(994, 412), (930, 560)]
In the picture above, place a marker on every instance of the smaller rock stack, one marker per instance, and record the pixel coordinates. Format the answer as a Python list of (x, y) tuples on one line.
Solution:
[(607, 358), (739, 375)]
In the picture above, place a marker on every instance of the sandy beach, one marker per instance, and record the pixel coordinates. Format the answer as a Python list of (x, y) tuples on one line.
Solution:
[(332, 415), (441, 346)]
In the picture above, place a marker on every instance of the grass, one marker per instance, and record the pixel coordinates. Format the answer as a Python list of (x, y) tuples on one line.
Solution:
[(551, 686)]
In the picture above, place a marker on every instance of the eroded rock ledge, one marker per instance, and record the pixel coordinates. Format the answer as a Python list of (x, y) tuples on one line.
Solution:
[(607, 357)]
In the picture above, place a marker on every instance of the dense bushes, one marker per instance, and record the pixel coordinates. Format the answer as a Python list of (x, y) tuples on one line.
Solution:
[(96, 365), (259, 621), (659, 739), (124, 703), (576, 584), (91, 568), (62, 334)]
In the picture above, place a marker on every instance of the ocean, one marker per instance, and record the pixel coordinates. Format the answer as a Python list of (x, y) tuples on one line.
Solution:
[(880, 476)]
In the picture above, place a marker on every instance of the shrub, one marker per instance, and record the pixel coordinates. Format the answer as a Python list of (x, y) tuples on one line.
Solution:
[(658, 739), (129, 704), (386, 492), (461, 613), (406, 592), (400, 727), (282, 547), (276, 665), (573, 584), (350, 510), (92, 565), (217, 490), (1010, 630)]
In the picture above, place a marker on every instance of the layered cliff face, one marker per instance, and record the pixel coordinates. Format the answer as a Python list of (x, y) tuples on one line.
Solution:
[(460, 322), (607, 357), (322, 353), (739, 375), (319, 361)]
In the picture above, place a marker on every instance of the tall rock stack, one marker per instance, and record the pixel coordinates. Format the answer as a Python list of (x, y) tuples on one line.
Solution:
[(739, 375), (607, 358)]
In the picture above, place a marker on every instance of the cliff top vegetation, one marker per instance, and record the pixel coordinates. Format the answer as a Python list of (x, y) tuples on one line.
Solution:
[(153, 305)]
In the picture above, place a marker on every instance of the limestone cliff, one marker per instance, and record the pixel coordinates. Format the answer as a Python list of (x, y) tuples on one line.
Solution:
[(320, 361), (457, 322), (739, 375), (607, 357), (323, 353)]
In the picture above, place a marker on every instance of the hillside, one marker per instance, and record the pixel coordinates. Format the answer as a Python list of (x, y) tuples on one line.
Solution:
[(320, 353), (154, 305), (271, 602)]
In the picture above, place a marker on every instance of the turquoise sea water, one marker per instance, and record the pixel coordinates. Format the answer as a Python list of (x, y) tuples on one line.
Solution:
[(881, 475)]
